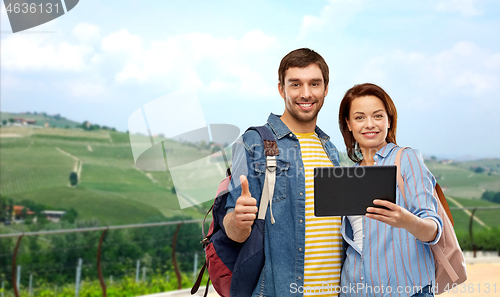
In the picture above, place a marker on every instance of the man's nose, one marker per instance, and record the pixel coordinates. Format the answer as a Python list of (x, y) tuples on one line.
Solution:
[(306, 92)]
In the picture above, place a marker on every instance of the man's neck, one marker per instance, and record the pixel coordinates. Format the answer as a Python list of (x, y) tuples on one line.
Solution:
[(297, 126)]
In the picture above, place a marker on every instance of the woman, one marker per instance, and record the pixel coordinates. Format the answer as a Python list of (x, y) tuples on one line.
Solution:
[(388, 250)]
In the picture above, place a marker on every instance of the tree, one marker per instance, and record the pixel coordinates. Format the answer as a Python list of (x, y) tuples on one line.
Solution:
[(11, 120), (73, 178), (479, 169), (3, 209), (70, 216), (4, 122)]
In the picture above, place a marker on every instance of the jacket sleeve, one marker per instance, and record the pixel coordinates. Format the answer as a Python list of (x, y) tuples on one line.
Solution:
[(419, 189), (246, 151)]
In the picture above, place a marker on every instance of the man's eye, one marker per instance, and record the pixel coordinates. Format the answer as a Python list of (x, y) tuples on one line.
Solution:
[(315, 85), (295, 85)]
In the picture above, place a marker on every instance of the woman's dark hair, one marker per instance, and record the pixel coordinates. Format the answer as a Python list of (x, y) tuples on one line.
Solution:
[(362, 90)]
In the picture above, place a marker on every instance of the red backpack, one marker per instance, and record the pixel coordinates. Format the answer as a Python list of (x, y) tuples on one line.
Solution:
[(234, 268)]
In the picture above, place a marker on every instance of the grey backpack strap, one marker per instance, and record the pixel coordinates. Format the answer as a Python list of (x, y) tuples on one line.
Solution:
[(268, 191)]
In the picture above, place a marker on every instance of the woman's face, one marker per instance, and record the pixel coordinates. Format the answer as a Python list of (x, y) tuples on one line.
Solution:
[(369, 123)]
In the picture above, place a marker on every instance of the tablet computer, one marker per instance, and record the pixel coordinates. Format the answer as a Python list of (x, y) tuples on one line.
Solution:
[(341, 191)]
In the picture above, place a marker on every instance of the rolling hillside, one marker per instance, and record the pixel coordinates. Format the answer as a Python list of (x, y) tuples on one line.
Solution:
[(36, 166), (36, 163), (41, 118)]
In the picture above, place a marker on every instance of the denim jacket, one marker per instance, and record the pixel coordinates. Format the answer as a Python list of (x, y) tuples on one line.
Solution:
[(284, 241)]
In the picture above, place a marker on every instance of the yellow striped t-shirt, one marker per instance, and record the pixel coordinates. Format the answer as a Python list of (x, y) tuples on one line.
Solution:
[(323, 245)]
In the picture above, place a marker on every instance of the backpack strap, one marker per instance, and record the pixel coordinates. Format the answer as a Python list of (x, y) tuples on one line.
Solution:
[(439, 191), (271, 150), (401, 183)]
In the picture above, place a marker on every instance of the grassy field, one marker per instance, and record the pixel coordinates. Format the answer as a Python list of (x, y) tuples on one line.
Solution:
[(459, 181), (111, 188)]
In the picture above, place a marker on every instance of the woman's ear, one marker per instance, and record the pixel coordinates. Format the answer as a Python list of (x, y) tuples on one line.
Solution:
[(348, 126)]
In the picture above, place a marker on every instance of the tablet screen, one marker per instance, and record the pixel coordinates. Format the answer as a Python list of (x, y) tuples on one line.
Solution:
[(340, 191)]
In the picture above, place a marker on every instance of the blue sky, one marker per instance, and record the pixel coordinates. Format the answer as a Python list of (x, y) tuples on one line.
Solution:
[(439, 61)]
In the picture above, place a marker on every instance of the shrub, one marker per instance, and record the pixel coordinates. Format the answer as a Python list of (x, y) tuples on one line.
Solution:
[(73, 178)]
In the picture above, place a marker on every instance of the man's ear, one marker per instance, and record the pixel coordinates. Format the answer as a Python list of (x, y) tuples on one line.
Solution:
[(281, 89), (326, 91)]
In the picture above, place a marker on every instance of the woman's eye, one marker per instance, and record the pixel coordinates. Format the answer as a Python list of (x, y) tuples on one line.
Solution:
[(358, 118)]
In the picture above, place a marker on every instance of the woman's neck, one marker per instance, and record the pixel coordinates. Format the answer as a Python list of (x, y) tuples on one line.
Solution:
[(367, 161)]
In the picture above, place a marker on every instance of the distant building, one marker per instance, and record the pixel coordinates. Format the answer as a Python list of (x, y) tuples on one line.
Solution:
[(53, 215), (17, 213), (23, 121)]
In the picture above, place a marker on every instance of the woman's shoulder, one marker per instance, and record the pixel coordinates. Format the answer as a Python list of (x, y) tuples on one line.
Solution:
[(412, 161)]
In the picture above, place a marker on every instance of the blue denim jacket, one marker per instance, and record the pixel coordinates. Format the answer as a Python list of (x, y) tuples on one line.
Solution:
[(284, 241)]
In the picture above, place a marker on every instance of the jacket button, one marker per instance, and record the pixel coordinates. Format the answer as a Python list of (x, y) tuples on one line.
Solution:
[(301, 194), (300, 249), (296, 145), (301, 221), (291, 134), (299, 278), (300, 168)]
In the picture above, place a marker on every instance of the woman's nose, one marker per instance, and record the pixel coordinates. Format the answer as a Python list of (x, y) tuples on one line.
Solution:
[(369, 123)]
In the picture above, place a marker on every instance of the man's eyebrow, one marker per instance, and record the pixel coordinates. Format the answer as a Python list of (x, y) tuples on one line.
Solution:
[(317, 79), (293, 79)]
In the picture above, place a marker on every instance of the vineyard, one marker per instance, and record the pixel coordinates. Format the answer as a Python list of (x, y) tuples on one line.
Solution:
[(111, 191)]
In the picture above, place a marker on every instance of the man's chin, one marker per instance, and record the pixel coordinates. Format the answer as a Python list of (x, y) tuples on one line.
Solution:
[(306, 118)]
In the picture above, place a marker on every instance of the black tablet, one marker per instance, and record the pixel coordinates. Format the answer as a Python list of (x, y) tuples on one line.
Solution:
[(341, 191)]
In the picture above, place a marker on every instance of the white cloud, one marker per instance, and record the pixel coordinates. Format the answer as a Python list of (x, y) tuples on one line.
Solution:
[(87, 32), (35, 52), (464, 66), (335, 15), (467, 8), (87, 90), (181, 60)]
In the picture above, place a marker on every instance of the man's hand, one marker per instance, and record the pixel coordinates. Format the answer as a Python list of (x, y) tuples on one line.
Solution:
[(246, 207), (238, 224)]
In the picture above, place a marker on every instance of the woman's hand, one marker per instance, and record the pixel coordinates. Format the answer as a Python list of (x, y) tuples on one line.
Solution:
[(396, 216), (424, 230)]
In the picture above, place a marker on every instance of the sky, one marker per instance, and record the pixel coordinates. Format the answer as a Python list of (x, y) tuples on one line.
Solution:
[(103, 60)]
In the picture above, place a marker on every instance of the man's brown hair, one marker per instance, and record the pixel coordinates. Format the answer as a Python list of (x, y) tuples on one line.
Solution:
[(302, 58)]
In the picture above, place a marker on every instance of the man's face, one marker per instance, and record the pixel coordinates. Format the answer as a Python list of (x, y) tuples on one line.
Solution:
[(304, 93)]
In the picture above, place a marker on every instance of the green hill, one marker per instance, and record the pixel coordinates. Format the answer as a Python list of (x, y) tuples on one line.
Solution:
[(36, 163), (56, 121), (36, 166)]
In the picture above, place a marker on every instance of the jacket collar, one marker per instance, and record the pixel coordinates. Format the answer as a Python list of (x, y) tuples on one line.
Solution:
[(281, 130)]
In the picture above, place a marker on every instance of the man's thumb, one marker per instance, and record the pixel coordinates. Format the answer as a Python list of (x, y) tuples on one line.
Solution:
[(245, 191)]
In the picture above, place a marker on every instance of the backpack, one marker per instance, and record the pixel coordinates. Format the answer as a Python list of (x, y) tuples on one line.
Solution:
[(234, 268), (448, 257)]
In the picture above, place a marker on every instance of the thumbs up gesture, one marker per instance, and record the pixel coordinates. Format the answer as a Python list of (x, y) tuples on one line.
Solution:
[(246, 206)]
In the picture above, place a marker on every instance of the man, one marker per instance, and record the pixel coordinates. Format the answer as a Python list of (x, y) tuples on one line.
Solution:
[(302, 252)]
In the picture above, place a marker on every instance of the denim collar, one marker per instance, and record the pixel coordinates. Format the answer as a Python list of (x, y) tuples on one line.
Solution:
[(281, 130)]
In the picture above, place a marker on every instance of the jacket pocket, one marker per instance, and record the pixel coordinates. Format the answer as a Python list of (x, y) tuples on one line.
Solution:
[(282, 174)]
